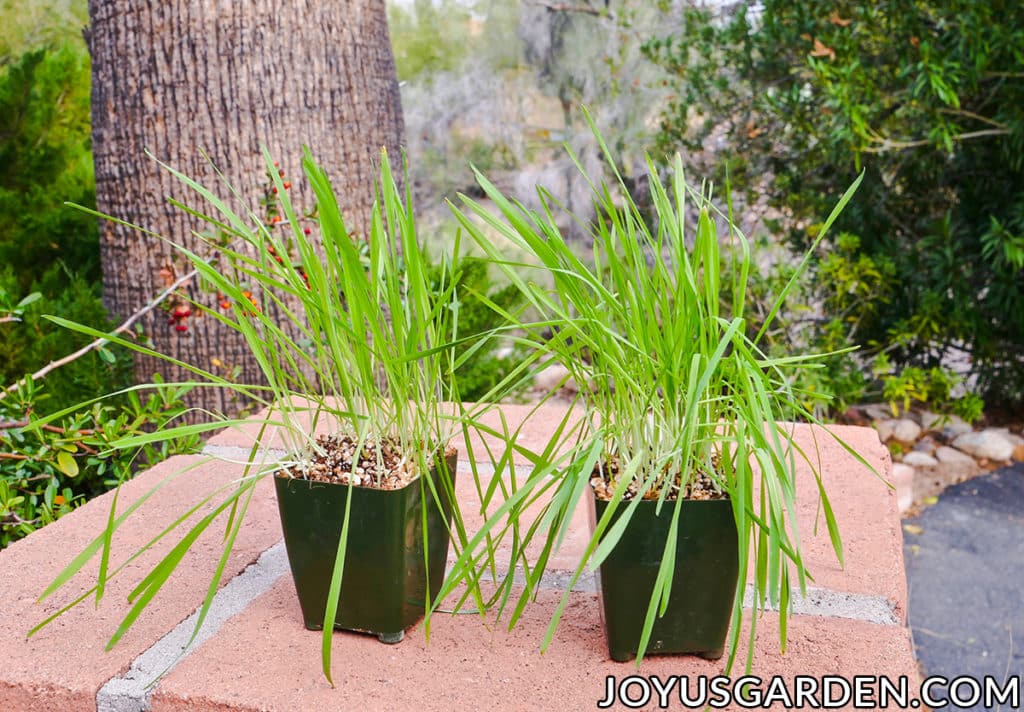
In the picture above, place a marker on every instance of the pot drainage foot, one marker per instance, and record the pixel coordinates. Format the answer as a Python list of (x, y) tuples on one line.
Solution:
[(391, 638), (712, 654)]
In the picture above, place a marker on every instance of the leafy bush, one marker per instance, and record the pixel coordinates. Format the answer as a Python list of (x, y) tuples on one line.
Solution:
[(422, 37), (28, 25), (47, 159), (46, 473), (928, 98), (934, 386), (33, 342), (50, 253), (478, 302), (45, 246)]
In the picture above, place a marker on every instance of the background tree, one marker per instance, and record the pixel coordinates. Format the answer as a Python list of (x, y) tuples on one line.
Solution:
[(928, 98), (183, 79)]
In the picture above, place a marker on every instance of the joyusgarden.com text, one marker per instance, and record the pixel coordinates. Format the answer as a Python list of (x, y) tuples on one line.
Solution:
[(808, 692)]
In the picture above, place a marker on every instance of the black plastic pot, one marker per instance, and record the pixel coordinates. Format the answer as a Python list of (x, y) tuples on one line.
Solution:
[(387, 580), (703, 585)]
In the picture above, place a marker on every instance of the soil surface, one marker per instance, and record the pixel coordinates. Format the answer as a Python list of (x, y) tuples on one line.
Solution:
[(379, 464), (605, 479)]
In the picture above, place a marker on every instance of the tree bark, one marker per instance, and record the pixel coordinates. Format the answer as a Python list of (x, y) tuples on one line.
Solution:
[(180, 78)]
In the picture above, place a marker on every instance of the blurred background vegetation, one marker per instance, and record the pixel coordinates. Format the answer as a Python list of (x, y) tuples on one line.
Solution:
[(785, 101), (49, 264), (926, 98)]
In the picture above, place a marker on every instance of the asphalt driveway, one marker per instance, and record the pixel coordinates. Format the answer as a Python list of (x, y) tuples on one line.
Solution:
[(965, 572)]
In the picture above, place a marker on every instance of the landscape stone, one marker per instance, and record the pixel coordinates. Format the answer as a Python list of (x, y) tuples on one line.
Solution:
[(903, 480), (919, 459), (951, 456), (932, 422), (906, 430), (877, 411), (884, 428), (1012, 438), (956, 426), (926, 445), (986, 444), (551, 377)]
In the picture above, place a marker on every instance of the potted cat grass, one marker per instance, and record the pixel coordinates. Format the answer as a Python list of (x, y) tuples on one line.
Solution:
[(685, 450), (367, 507)]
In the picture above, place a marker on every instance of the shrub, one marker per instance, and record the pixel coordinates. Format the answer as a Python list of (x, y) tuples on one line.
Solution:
[(45, 246), (51, 253), (47, 159), (486, 368), (33, 342), (46, 473), (418, 37), (927, 97)]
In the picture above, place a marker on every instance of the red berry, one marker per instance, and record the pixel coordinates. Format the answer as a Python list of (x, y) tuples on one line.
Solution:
[(180, 327), (287, 185), (275, 190), (308, 231), (225, 304)]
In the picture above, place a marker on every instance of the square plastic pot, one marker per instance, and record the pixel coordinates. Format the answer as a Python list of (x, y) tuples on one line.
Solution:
[(390, 572), (703, 584)]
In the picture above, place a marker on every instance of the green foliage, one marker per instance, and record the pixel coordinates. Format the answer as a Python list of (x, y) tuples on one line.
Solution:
[(45, 150), (51, 253), (425, 37), (482, 369), (29, 25), (33, 342), (45, 246), (433, 37), (859, 287), (47, 472), (369, 355), (927, 97), (934, 386), (678, 390)]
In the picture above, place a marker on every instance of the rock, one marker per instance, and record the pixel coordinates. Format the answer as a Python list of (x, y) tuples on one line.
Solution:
[(906, 430), (877, 411), (986, 444), (932, 422), (956, 426), (1012, 438), (926, 445), (954, 466), (903, 480), (951, 456), (919, 459), (1016, 440), (884, 428), (552, 377)]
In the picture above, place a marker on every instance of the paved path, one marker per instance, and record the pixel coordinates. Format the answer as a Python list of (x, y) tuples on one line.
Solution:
[(965, 572)]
